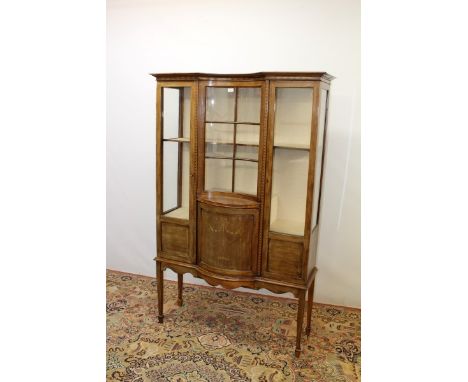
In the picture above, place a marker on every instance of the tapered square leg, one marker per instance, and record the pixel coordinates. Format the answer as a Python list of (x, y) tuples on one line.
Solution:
[(300, 320), (310, 301), (180, 284), (160, 284)]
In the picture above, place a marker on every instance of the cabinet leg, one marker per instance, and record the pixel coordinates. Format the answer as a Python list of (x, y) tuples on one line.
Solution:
[(180, 283), (160, 283), (300, 320), (310, 301)]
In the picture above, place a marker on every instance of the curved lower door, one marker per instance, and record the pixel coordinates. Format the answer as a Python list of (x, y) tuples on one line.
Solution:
[(228, 239)]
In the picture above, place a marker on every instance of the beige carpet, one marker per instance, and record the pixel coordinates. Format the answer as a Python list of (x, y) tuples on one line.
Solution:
[(222, 335)]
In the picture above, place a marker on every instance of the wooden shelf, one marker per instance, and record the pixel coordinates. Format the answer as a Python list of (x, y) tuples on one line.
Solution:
[(234, 123), (230, 158), (293, 146), (179, 213), (180, 139), (287, 226), (231, 143)]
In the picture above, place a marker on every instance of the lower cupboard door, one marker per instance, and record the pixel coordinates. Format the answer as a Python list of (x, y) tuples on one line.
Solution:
[(228, 239)]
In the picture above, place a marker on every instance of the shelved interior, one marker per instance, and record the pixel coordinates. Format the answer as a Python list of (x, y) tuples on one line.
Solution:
[(232, 137), (176, 108), (293, 117), (292, 133), (289, 191)]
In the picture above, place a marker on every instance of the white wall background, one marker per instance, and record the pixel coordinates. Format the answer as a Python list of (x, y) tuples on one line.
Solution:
[(147, 36)]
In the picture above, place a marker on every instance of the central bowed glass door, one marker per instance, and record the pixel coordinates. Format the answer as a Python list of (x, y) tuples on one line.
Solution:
[(232, 138)]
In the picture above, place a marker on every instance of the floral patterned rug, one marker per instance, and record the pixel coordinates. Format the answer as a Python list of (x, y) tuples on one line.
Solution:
[(222, 335)]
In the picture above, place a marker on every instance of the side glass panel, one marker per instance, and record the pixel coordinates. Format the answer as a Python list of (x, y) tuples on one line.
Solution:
[(289, 191), (171, 111), (170, 181), (293, 117), (292, 129), (232, 136), (176, 109), (319, 155)]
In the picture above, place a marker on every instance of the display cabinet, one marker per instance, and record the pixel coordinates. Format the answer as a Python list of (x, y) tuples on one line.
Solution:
[(239, 168)]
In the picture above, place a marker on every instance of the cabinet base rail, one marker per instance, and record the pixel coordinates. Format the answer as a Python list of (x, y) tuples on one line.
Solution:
[(300, 291)]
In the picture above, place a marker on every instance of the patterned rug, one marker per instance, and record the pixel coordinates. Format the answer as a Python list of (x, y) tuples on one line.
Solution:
[(222, 335)]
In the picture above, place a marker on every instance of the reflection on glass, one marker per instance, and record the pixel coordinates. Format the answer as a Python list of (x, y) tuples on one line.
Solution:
[(293, 116), (218, 174), (245, 181), (220, 104)]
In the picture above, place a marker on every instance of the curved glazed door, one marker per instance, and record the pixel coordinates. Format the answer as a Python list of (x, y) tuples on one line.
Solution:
[(231, 164)]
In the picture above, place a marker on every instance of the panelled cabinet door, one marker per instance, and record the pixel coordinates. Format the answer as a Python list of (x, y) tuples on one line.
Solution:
[(231, 144), (228, 239)]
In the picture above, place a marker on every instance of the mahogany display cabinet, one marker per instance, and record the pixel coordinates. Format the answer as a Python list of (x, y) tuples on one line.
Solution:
[(239, 168)]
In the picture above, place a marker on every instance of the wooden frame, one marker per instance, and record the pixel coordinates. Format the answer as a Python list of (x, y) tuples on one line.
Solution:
[(192, 167), (227, 239)]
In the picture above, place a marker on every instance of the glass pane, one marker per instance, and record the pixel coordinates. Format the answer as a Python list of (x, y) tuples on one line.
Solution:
[(220, 104), (289, 191), (220, 150), (218, 174), (293, 116), (248, 105), (176, 179), (187, 98), (170, 112), (170, 174), (176, 112), (245, 181), (247, 152), (249, 134), (318, 155), (219, 132)]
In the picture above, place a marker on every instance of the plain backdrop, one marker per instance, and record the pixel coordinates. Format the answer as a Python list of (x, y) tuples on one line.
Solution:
[(52, 159), (241, 36)]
